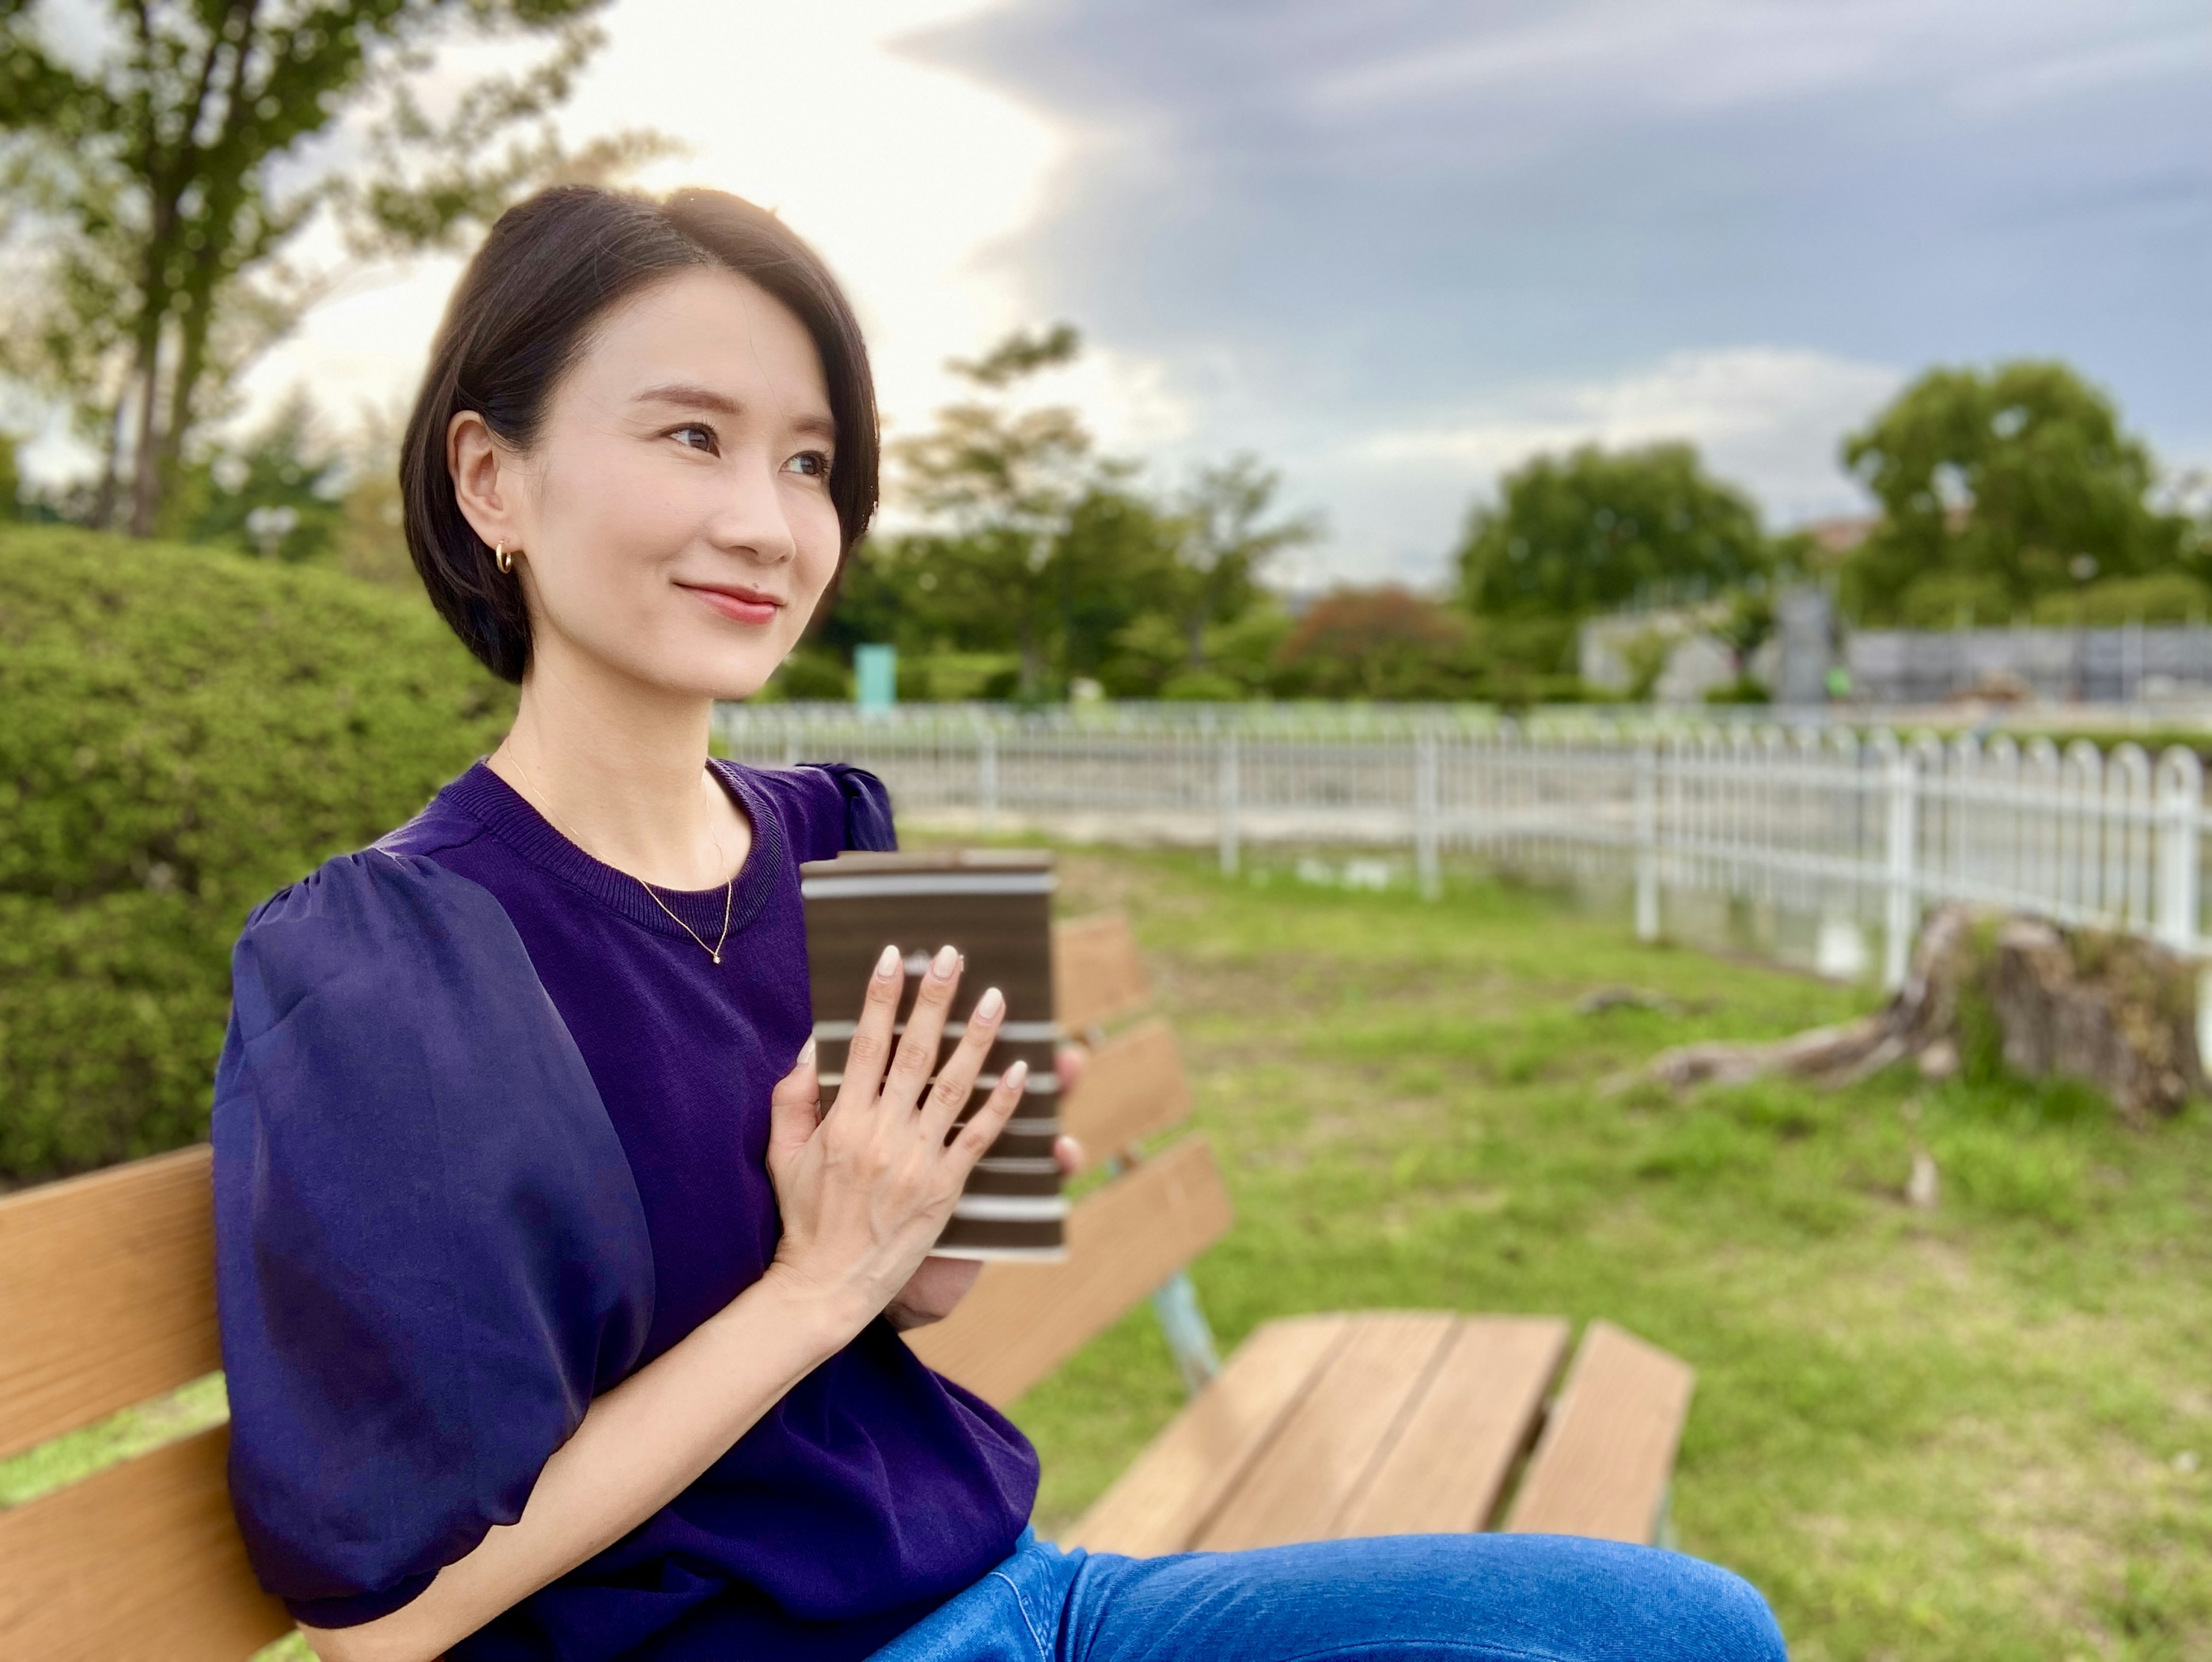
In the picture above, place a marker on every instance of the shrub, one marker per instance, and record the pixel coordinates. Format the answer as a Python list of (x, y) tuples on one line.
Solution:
[(186, 731), (1385, 643)]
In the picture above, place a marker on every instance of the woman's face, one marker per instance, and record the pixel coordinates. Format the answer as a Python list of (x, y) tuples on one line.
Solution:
[(673, 518)]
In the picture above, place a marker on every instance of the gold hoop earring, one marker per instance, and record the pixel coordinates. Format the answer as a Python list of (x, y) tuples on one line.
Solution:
[(502, 559)]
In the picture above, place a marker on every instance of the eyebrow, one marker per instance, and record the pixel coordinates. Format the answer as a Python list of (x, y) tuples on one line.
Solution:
[(690, 396)]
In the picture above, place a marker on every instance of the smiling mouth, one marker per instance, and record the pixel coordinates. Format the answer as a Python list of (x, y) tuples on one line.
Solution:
[(739, 605)]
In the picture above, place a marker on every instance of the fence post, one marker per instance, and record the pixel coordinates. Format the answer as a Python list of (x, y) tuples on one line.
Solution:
[(1225, 802), (986, 774), (1903, 910), (1644, 775), (2180, 789), (1424, 814)]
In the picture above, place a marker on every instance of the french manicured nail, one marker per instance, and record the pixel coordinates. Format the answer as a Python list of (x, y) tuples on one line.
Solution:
[(887, 965), (943, 964), (806, 1055), (991, 1006), (1016, 1076)]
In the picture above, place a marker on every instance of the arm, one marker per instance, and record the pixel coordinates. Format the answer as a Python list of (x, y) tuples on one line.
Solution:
[(864, 1191)]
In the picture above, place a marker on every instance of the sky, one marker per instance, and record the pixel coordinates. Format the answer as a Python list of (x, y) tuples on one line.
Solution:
[(1397, 247)]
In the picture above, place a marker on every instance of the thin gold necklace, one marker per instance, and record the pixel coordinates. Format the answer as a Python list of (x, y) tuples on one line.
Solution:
[(729, 884)]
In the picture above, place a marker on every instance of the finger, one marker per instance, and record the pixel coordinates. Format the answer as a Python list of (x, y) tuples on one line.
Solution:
[(795, 1106), (1068, 1154), (925, 1030), (955, 1080), (1068, 1061), (983, 1127), (870, 1051)]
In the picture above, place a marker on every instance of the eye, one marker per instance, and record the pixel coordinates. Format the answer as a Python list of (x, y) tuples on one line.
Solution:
[(695, 435), (813, 464)]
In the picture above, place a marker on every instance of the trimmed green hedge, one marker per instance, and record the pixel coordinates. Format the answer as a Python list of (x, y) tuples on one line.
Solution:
[(182, 731)]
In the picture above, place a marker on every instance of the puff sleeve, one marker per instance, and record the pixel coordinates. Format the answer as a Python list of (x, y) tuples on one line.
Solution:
[(827, 807), (431, 1251)]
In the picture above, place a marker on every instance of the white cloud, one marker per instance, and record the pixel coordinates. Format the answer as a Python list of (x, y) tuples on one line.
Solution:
[(1769, 419), (1774, 414), (908, 176)]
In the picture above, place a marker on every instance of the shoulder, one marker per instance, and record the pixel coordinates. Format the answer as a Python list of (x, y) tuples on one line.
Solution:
[(824, 807), (385, 925)]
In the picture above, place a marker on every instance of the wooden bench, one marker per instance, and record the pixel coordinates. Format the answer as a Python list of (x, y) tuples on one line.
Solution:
[(1377, 1423), (1319, 1426)]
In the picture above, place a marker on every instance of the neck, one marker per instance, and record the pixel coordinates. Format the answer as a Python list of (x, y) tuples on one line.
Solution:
[(619, 768)]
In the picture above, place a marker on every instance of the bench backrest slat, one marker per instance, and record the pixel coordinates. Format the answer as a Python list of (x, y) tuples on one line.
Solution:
[(106, 1294), (1601, 1469), (1022, 1320), (143, 1559), (1131, 1088), (1097, 973)]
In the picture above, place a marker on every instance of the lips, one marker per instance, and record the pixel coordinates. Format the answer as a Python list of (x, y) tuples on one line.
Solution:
[(738, 603)]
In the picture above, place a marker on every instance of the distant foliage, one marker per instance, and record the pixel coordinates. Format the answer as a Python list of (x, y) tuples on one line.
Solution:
[(1597, 531), (2000, 488), (1385, 643), (186, 731)]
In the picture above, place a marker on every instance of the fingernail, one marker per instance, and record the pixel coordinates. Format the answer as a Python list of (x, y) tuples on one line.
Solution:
[(805, 1054), (887, 965), (1017, 1076), (941, 966), (988, 1007)]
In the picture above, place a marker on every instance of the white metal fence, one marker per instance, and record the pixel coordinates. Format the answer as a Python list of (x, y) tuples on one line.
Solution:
[(1831, 822)]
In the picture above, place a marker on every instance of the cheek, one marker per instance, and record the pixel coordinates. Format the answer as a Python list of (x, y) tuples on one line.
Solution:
[(607, 523), (818, 536)]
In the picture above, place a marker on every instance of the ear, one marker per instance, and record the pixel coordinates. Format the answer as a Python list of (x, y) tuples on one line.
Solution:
[(484, 479)]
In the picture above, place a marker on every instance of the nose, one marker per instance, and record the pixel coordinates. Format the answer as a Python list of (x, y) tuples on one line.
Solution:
[(751, 518)]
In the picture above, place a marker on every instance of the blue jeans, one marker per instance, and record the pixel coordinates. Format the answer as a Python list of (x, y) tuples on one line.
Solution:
[(1511, 1598)]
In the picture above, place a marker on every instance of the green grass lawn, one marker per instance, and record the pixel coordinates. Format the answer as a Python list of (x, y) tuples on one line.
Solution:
[(1980, 1432)]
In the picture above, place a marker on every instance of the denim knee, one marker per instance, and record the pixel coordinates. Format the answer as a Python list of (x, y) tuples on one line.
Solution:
[(1730, 1617)]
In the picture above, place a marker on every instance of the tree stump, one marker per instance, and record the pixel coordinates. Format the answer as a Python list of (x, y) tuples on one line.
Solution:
[(1990, 992)]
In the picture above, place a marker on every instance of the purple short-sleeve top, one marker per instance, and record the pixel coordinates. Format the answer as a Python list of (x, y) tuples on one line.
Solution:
[(490, 1134)]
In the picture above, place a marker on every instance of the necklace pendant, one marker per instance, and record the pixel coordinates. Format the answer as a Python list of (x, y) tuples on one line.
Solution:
[(717, 956)]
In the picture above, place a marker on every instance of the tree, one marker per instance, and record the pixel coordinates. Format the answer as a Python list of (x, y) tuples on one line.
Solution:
[(1004, 483), (156, 192), (1226, 538), (279, 492), (2014, 483), (1600, 530)]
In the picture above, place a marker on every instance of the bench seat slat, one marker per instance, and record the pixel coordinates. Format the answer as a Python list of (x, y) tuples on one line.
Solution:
[(1022, 1320), (1444, 1472), (141, 1559), (1171, 1491), (1335, 1434), (108, 1296), (1601, 1467), (1131, 1088)]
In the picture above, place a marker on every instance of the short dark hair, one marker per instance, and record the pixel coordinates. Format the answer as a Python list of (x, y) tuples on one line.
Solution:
[(551, 267)]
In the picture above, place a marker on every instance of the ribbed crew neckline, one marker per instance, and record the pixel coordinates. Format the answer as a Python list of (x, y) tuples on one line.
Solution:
[(507, 813)]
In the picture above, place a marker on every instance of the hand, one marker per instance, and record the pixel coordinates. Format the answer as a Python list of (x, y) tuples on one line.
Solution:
[(933, 1290), (865, 1188)]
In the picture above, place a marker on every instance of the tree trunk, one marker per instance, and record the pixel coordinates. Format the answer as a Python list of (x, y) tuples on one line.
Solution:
[(111, 483), (2011, 994), (146, 453)]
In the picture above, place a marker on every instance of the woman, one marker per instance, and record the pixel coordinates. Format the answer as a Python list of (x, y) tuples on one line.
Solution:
[(560, 1316)]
